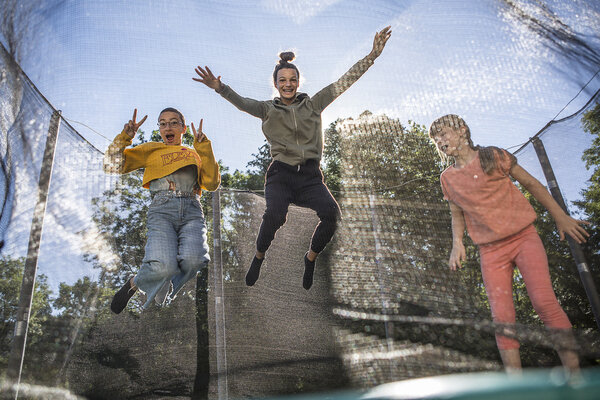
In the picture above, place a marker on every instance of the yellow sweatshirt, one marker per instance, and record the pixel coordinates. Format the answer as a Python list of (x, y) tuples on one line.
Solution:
[(160, 160)]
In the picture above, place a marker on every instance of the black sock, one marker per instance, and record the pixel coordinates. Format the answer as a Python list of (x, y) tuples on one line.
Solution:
[(309, 269), (254, 271)]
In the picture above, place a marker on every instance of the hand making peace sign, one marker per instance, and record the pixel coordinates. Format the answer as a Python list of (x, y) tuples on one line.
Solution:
[(198, 134), (132, 127)]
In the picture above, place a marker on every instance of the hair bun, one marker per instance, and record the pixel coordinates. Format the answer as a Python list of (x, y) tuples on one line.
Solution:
[(286, 56)]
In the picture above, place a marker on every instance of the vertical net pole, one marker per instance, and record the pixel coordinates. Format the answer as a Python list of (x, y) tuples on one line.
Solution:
[(388, 326), (219, 300), (576, 251), (17, 353)]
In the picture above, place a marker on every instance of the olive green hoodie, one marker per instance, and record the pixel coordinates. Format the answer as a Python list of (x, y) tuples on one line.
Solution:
[(294, 131)]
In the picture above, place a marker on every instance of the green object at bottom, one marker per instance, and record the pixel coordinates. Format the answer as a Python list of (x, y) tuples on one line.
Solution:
[(550, 384)]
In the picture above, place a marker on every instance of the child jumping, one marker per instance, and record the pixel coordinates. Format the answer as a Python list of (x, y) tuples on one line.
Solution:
[(292, 125), (176, 245), (499, 219)]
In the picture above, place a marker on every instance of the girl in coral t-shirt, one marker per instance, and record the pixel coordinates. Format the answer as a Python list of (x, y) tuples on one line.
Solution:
[(499, 220)]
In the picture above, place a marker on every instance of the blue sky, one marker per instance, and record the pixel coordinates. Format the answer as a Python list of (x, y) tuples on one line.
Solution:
[(98, 60)]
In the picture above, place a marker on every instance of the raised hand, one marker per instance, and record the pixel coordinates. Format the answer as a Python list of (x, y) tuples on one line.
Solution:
[(379, 41), (208, 78), (132, 127), (198, 134)]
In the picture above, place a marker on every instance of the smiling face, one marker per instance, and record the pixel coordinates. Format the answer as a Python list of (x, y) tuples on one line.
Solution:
[(287, 85), (171, 128)]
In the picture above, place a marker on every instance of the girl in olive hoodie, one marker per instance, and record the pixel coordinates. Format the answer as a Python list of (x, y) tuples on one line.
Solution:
[(292, 125)]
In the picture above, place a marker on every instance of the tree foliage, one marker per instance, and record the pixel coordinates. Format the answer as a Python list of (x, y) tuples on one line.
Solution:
[(11, 277), (332, 158), (253, 178), (590, 203)]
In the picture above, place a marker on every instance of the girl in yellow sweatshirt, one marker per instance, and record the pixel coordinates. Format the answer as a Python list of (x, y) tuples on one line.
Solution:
[(176, 245)]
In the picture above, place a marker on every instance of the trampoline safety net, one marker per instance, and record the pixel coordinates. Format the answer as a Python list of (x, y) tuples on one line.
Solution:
[(384, 305)]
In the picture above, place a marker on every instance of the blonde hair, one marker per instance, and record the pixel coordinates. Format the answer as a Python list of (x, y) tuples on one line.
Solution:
[(487, 155)]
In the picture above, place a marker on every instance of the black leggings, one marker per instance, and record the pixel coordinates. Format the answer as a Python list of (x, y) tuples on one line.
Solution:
[(303, 186)]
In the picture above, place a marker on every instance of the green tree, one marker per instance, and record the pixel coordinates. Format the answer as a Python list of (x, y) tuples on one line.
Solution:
[(261, 161), (590, 207), (11, 277), (254, 177), (590, 203), (332, 158), (77, 300)]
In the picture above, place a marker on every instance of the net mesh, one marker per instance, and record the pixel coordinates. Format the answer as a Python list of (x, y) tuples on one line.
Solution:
[(384, 306)]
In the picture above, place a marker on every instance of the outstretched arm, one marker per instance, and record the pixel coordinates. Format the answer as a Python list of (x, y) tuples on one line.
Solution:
[(458, 253), (379, 42), (251, 106), (564, 222), (331, 92), (208, 78)]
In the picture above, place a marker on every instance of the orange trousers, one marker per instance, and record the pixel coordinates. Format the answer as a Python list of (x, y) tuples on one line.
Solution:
[(498, 259)]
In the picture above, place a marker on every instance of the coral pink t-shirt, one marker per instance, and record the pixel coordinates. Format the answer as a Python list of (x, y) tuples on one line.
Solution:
[(493, 206)]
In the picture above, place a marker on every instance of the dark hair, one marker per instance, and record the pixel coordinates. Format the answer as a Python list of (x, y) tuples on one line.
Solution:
[(176, 111), (284, 62), (487, 155)]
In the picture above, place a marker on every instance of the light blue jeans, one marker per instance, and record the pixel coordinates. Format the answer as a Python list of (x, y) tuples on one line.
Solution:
[(176, 246)]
